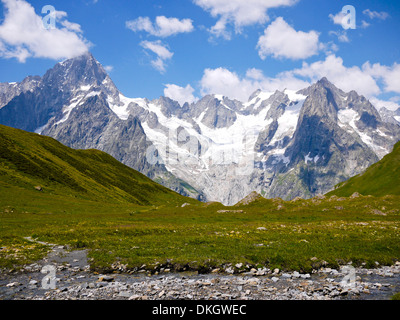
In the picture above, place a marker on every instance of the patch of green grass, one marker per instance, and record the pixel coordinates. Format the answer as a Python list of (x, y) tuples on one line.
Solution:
[(395, 296), (91, 201), (197, 235), (28, 160), (378, 180)]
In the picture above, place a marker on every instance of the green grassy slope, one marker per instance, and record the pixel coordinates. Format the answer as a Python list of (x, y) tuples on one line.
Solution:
[(91, 201), (28, 160), (382, 178)]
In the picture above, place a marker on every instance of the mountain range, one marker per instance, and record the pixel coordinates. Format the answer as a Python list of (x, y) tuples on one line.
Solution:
[(283, 144)]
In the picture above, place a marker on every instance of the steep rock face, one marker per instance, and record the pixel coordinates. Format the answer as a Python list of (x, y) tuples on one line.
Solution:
[(93, 125), (338, 135), (283, 144), (39, 99), (8, 91), (390, 116), (77, 103)]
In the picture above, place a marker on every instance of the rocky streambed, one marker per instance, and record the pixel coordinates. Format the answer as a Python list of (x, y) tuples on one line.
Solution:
[(65, 275)]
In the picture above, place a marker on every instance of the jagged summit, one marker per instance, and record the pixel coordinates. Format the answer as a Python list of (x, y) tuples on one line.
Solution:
[(283, 144)]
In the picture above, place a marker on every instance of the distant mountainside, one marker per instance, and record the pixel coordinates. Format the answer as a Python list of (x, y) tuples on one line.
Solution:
[(72, 103), (29, 160), (283, 144), (381, 179), (390, 115)]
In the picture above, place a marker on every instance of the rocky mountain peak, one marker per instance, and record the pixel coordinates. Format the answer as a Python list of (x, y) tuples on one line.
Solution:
[(279, 144), (84, 70), (168, 106), (254, 94)]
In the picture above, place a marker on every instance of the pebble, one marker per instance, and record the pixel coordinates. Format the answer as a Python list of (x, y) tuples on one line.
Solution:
[(210, 287), (255, 284), (106, 279), (13, 284)]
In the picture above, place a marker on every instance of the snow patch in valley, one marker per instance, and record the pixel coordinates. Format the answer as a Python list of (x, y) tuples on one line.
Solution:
[(278, 156), (313, 159), (219, 146), (348, 116)]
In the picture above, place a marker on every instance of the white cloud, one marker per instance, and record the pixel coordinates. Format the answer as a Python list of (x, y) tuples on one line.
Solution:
[(365, 79), (364, 24), (390, 105), (239, 13), (337, 18), (368, 80), (109, 68), (230, 84), (282, 41), (389, 75), (227, 83), (376, 15), (180, 94), (345, 78), (341, 35), (161, 51), (74, 27), (163, 26), (23, 35), (219, 29)]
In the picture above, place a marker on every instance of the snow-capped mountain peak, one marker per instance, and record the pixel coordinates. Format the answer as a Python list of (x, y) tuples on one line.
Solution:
[(280, 144)]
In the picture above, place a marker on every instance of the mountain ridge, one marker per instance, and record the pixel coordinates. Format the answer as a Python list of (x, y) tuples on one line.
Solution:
[(29, 161), (280, 144)]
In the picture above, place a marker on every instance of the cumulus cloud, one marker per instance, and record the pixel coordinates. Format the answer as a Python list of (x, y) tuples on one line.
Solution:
[(162, 27), (180, 94), (389, 75), (239, 13), (379, 104), (346, 78), (370, 80), (338, 18), (23, 34), (228, 83), (366, 80), (282, 41), (161, 51), (222, 81)]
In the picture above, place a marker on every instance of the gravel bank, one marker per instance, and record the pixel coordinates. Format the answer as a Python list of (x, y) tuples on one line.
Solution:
[(70, 278)]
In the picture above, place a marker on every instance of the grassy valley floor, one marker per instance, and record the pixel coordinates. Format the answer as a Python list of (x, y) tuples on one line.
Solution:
[(299, 235)]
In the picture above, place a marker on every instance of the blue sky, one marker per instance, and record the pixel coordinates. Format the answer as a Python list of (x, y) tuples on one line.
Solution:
[(185, 49)]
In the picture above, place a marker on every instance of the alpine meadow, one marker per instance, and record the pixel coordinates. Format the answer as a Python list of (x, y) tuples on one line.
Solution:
[(200, 150)]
